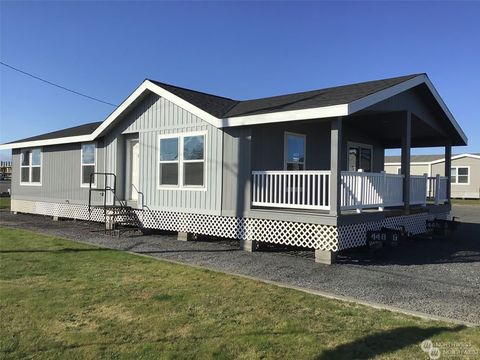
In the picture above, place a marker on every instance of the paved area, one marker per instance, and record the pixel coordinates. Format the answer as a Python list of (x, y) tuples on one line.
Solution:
[(437, 277)]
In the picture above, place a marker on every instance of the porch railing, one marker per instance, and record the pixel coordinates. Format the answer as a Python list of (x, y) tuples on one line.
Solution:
[(358, 190), (291, 189), (362, 190), (418, 189), (437, 189)]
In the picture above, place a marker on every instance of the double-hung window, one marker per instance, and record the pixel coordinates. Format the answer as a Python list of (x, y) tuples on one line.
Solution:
[(31, 167), (294, 151), (460, 175), (182, 161), (88, 158)]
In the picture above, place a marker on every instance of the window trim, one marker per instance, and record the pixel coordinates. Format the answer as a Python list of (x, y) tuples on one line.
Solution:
[(285, 149), (360, 146), (181, 161), (456, 177), (30, 166), (82, 184)]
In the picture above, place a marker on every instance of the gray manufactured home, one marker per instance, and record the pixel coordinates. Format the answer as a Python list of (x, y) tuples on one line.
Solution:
[(303, 169), (465, 171)]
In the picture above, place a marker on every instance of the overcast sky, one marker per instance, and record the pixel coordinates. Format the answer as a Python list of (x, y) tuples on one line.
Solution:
[(235, 49)]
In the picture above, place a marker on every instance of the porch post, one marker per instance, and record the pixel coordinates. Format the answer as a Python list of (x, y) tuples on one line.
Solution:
[(406, 144), (335, 165), (448, 168)]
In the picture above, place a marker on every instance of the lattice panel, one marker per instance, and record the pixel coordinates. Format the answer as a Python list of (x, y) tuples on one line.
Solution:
[(316, 236), (355, 235)]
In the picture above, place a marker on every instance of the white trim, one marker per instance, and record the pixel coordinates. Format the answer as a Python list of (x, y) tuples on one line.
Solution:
[(181, 161), (291, 115), (285, 149), (456, 175), (82, 184), (360, 146), (281, 116), (437, 161), (30, 166)]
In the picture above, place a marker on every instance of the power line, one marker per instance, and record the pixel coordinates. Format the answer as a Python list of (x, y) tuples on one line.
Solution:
[(56, 85)]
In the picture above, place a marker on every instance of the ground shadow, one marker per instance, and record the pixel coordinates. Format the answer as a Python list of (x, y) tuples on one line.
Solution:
[(384, 342), (463, 246)]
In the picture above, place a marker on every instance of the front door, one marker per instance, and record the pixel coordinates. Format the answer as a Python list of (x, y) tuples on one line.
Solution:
[(133, 149), (359, 157)]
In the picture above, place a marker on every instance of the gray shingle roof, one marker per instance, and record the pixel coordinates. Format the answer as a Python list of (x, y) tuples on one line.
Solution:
[(222, 107), (72, 131), (418, 158)]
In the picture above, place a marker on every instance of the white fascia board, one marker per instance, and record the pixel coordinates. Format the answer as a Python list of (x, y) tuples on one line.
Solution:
[(283, 116), (56, 141), (372, 99), (381, 95), (148, 85), (145, 86), (457, 157)]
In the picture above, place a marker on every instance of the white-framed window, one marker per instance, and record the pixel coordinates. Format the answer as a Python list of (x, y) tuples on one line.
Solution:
[(88, 160), (294, 151), (31, 167), (181, 163), (360, 156), (460, 175)]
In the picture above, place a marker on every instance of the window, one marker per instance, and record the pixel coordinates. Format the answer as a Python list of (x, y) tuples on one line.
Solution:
[(460, 175), (359, 157), (169, 161), (31, 167), (193, 160), (88, 155), (182, 161), (294, 151)]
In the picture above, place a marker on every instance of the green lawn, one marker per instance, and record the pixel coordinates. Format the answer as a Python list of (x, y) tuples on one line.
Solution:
[(61, 299), (466, 201), (4, 203)]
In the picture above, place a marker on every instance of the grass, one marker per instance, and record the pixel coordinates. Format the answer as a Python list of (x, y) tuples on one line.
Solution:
[(466, 201), (61, 299), (4, 203)]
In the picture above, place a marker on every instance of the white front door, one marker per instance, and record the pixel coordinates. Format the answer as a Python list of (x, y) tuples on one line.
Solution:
[(134, 169)]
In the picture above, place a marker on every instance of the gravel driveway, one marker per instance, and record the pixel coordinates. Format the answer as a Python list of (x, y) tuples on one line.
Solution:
[(440, 277)]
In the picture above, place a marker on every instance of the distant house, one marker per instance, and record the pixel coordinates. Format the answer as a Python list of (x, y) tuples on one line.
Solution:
[(302, 169), (465, 171), (5, 169)]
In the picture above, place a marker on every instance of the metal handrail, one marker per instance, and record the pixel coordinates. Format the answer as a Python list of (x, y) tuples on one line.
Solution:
[(140, 193)]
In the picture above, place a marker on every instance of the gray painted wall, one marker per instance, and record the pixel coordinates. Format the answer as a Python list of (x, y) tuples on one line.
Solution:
[(60, 176), (152, 117)]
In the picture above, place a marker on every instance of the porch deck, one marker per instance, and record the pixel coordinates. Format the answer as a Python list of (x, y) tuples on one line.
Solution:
[(360, 191)]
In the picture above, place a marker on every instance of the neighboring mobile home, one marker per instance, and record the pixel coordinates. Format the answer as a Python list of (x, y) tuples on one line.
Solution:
[(301, 169), (465, 171)]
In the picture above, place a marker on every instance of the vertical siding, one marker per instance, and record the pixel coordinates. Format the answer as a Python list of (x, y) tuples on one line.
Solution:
[(61, 168), (152, 117)]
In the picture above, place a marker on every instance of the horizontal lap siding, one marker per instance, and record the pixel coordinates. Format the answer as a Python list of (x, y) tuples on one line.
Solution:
[(155, 116), (60, 176)]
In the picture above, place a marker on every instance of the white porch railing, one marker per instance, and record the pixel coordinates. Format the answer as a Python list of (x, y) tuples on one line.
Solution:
[(358, 190), (291, 189), (362, 190), (418, 189), (437, 189)]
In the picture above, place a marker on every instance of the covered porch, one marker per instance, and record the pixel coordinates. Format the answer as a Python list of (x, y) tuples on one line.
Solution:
[(336, 165)]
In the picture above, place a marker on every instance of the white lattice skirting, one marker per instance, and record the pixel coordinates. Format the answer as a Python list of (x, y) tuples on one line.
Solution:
[(315, 236)]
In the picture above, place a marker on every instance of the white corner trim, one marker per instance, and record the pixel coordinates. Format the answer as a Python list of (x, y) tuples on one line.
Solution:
[(292, 115)]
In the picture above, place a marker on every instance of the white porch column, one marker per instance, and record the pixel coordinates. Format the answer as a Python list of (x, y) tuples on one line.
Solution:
[(335, 165), (406, 145)]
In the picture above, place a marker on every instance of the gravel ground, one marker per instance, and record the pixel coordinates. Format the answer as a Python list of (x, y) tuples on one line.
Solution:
[(439, 277)]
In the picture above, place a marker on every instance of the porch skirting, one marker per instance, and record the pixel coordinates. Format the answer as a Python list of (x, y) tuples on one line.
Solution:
[(314, 236)]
